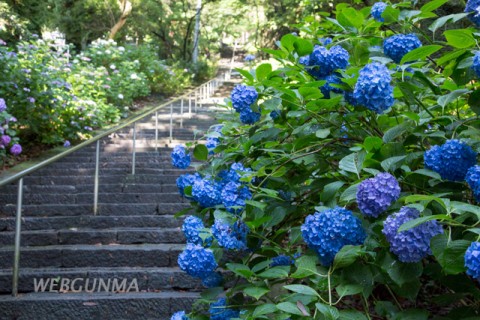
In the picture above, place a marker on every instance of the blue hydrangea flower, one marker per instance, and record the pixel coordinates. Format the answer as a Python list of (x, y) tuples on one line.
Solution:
[(197, 261), (338, 57), (325, 41), (413, 244), (211, 144), (472, 260), (219, 311), (373, 89), (305, 60), (328, 231), (214, 279), (206, 192), (3, 105), (376, 194), (243, 97), (349, 98), (399, 45), (249, 57), (327, 88), (248, 116), (231, 237), (285, 195), (473, 7), (281, 260), (274, 114), (327, 60), (476, 63), (180, 315), (192, 228), (234, 195), (66, 144), (180, 158), (451, 160), (377, 10), (186, 180), (473, 179), (236, 171)]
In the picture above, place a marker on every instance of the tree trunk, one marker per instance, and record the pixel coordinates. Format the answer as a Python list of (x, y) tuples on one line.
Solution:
[(126, 7)]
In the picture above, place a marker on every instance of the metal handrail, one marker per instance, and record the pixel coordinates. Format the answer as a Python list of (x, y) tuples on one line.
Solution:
[(204, 90)]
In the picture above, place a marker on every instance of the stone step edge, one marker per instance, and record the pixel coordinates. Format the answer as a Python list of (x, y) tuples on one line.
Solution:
[(87, 247)]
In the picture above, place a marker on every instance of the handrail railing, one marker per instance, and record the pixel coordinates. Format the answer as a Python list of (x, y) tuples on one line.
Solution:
[(198, 93)]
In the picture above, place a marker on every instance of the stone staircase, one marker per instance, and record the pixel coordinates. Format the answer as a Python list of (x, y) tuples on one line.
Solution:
[(134, 239)]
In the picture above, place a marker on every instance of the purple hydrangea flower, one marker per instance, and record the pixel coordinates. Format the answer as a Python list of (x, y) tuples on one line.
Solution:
[(214, 279), (234, 195), (180, 315), (282, 260), (192, 228), (476, 63), (243, 97), (219, 311), (328, 231), (399, 45), (451, 160), (472, 260), (180, 158), (3, 105), (5, 140), (206, 192), (197, 261), (66, 144), (376, 194), (377, 10), (186, 180), (231, 237), (249, 57), (16, 149), (473, 7), (413, 244), (373, 89)]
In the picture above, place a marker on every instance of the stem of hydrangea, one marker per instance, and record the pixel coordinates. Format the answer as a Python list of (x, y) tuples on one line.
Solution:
[(394, 297), (329, 287)]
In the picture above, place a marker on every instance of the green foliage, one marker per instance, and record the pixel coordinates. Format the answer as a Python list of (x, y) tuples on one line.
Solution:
[(319, 149)]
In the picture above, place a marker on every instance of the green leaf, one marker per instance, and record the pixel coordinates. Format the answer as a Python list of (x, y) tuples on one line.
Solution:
[(322, 133), (452, 96), (289, 307), (329, 312), (432, 5), (440, 22), (350, 17), (372, 143), (275, 272), (302, 289), (418, 221), (263, 71), (348, 289), (420, 53), (474, 101), (240, 269), (461, 207), (449, 254), (422, 197), (350, 193), (256, 292), (262, 309), (428, 173), (287, 42), (460, 38), (396, 131), (352, 315), (200, 152), (411, 314), (450, 56), (303, 47), (306, 266), (352, 163), (310, 93), (390, 14), (392, 163), (245, 73), (346, 256), (400, 273)]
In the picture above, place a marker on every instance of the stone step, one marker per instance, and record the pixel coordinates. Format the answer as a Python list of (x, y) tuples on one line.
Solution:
[(109, 179), (163, 163), (91, 222), (94, 236), (147, 279), (77, 256), (98, 306), (86, 198), (104, 171), (105, 209)]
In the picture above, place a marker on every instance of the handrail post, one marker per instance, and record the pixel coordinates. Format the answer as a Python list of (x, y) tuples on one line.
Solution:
[(181, 112), (156, 130), (200, 95), (134, 141), (190, 105), (196, 100), (18, 228), (171, 122), (95, 182)]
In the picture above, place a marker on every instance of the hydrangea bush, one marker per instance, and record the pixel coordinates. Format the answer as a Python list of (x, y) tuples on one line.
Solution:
[(363, 187)]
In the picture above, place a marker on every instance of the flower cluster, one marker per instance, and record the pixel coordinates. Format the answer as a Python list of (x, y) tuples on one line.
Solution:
[(328, 231), (180, 157), (243, 98), (282, 260), (192, 228), (234, 195), (236, 171), (476, 63), (206, 192), (180, 315), (211, 144), (377, 10), (376, 194), (327, 88), (322, 61), (399, 45), (373, 89), (411, 245), (219, 311), (186, 180), (473, 7), (214, 279), (472, 260), (6, 133), (197, 261), (451, 160), (473, 179), (231, 236)]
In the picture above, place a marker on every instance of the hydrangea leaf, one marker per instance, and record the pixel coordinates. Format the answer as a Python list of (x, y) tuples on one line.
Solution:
[(300, 288), (346, 256), (420, 53), (275, 272), (418, 221), (289, 307), (200, 152), (440, 22), (329, 312), (450, 254), (263, 71), (256, 292), (353, 163), (352, 315), (262, 309), (306, 266), (460, 38), (432, 5)]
